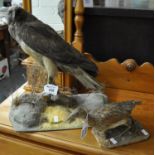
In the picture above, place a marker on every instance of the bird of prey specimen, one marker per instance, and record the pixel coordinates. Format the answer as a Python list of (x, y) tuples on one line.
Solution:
[(42, 43)]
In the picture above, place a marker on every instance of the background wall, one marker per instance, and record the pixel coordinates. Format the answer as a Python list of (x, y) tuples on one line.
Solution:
[(46, 10), (1, 3), (121, 33), (17, 2)]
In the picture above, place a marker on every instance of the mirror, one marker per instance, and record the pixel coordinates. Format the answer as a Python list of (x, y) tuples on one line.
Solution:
[(57, 14), (67, 27), (47, 11), (50, 13)]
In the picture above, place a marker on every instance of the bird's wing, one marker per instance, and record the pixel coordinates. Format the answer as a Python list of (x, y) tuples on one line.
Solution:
[(44, 40)]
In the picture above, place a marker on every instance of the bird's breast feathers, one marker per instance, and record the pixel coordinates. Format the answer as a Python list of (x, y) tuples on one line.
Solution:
[(42, 60), (31, 52)]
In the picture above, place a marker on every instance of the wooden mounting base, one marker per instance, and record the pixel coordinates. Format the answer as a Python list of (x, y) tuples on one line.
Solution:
[(68, 141), (121, 135)]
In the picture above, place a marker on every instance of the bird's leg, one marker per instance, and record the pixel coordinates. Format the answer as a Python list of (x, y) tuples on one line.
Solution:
[(72, 116), (50, 68), (50, 80)]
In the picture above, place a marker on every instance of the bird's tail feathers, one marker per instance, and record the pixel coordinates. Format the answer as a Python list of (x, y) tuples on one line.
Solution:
[(87, 80), (129, 105), (84, 78)]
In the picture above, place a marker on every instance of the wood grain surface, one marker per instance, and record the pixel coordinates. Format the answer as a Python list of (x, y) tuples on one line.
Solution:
[(68, 141)]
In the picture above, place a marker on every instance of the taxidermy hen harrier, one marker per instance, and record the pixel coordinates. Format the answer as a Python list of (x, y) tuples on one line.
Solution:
[(42, 43)]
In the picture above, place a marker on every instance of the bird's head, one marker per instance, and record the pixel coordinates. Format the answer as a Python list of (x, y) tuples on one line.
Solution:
[(15, 14)]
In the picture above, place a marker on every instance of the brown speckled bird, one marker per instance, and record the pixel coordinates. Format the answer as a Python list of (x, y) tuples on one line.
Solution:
[(113, 124), (108, 115), (112, 115)]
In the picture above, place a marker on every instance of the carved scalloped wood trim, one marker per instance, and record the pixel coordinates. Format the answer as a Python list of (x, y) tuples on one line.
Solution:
[(116, 75)]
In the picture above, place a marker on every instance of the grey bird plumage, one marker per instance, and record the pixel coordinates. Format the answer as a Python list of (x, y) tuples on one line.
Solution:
[(42, 43)]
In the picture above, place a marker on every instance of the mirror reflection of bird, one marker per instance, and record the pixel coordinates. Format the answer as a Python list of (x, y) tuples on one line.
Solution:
[(61, 9), (42, 43)]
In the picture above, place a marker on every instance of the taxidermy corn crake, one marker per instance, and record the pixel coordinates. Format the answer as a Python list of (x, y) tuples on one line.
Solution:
[(103, 117), (42, 43)]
